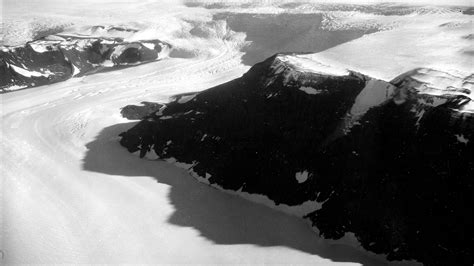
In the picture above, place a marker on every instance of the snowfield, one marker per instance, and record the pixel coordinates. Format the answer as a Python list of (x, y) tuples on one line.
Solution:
[(71, 194)]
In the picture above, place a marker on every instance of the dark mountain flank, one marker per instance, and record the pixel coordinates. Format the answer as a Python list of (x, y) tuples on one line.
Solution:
[(390, 163)]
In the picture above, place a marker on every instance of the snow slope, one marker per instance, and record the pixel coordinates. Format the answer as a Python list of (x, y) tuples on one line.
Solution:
[(437, 41), (67, 182), (120, 214)]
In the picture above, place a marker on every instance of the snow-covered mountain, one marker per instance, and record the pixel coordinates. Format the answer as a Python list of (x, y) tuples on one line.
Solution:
[(61, 56), (71, 194), (389, 162)]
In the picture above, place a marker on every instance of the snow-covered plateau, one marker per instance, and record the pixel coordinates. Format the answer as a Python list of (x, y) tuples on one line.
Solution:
[(274, 103)]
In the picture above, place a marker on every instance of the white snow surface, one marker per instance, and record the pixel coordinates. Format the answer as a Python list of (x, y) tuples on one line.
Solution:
[(71, 194), (422, 41), (303, 64)]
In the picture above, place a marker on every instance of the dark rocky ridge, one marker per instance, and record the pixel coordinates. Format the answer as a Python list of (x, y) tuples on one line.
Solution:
[(399, 176), (59, 57), (136, 112)]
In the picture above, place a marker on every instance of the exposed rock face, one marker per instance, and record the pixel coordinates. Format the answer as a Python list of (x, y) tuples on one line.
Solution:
[(388, 162), (59, 57), (401, 180), (136, 112)]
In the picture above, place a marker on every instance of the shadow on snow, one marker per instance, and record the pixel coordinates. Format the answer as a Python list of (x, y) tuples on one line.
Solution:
[(222, 218)]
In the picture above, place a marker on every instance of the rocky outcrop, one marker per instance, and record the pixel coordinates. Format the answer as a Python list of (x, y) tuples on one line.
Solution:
[(59, 57), (387, 162), (137, 112)]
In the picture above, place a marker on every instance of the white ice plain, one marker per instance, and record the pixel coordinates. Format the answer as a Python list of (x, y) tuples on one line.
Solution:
[(71, 194)]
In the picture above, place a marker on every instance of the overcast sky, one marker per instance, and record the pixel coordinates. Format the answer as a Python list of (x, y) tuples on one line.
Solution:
[(12, 7), (423, 2), (416, 2)]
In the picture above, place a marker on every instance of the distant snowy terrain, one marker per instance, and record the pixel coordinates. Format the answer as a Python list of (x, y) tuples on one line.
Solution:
[(71, 194)]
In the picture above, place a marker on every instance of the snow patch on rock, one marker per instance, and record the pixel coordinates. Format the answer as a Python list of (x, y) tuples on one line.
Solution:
[(301, 177), (15, 87), (148, 45), (160, 111), (186, 98), (461, 138), (75, 70), (29, 73), (310, 90), (373, 94), (40, 48), (151, 155)]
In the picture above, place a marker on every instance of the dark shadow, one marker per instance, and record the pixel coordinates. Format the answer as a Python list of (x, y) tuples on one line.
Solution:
[(469, 52), (468, 11), (220, 217)]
